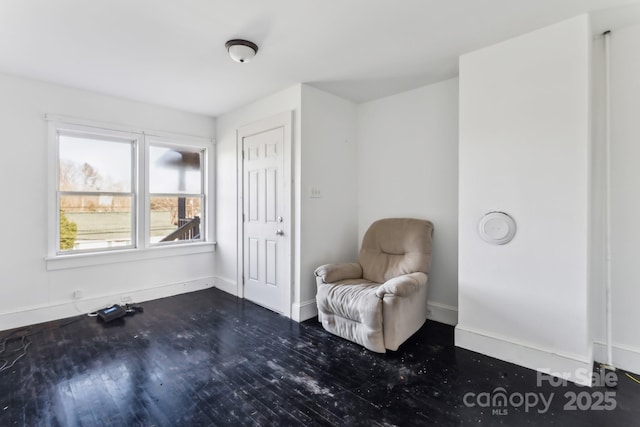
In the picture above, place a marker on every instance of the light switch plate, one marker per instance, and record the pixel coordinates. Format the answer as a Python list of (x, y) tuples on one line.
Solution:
[(315, 193)]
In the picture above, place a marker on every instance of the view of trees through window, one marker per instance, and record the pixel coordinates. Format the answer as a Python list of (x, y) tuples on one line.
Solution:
[(97, 196)]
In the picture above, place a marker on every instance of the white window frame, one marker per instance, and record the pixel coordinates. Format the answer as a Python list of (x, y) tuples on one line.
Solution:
[(141, 247), (99, 135), (177, 143)]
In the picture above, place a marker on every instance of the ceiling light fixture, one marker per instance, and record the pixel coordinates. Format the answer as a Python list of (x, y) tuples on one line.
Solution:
[(241, 50)]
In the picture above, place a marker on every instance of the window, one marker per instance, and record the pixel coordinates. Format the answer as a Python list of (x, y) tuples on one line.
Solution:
[(96, 202), (122, 190), (176, 194)]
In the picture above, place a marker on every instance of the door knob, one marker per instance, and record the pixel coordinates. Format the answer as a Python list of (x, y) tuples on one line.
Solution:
[(279, 233)]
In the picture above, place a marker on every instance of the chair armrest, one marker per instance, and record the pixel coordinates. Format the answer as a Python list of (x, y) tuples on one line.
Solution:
[(331, 273), (402, 286)]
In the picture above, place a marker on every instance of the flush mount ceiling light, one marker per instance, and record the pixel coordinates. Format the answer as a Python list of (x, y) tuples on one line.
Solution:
[(241, 50)]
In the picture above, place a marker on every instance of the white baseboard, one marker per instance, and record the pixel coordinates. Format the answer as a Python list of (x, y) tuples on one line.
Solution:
[(567, 366), (227, 285), (624, 357), (442, 313), (46, 313), (304, 311)]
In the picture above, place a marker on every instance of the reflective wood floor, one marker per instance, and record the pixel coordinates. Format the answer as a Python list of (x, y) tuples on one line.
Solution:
[(207, 358)]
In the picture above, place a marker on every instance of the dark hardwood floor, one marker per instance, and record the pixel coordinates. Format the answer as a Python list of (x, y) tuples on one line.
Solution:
[(207, 358)]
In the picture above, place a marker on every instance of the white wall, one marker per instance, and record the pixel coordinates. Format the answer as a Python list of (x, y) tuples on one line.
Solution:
[(524, 149), (329, 164), (323, 157), (29, 293), (625, 198), (226, 176), (408, 167)]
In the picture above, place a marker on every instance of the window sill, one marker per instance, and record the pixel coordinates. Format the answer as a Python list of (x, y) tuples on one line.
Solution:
[(63, 262)]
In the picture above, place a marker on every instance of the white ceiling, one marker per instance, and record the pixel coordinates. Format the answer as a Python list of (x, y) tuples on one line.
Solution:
[(172, 53)]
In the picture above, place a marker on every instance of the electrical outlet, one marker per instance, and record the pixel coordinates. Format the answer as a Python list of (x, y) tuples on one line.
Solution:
[(126, 298), (77, 294)]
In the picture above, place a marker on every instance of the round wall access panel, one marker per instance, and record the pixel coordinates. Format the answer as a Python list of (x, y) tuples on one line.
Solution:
[(497, 228)]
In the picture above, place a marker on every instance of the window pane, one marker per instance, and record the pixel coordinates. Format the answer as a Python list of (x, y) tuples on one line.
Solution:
[(174, 170), (94, 165), (95, 222), (168, 214)]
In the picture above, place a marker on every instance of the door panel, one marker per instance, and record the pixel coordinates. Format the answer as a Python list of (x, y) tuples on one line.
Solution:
[(253, 195), (271, 263), (264, 258), (253, 259), (271, 195)]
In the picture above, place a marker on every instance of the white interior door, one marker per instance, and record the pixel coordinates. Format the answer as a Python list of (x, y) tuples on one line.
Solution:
[(265, 207)]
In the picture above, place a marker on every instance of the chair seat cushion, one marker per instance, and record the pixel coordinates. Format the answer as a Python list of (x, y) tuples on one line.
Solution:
[(353, 312)]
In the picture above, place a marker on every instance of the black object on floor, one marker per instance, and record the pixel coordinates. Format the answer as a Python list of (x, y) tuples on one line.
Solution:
[(116, 312), (111, 313), (208, 358)]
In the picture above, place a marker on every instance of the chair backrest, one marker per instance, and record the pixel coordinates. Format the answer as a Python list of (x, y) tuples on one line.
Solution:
[(395, 246)]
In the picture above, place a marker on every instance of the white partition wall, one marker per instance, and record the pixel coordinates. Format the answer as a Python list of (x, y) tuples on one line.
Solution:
[(323, 182), (524, 150)]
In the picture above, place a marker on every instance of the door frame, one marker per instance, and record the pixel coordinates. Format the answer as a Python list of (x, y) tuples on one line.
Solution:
[(285, 121)]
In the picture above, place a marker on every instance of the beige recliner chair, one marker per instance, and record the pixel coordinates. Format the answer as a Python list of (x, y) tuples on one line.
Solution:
[(381, 300)]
